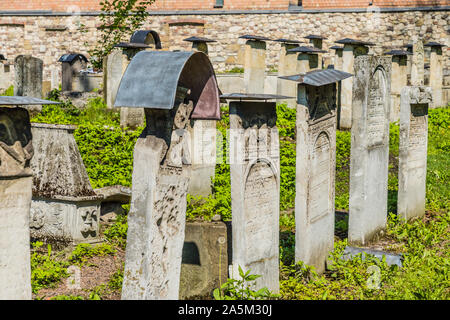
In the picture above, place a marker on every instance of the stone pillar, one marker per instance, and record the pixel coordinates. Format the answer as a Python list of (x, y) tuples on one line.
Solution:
[(303, 62), (412, 170), (28, 76), (16, 151), (418, 64), (399, 80), (255, 191), (350, 52), (315, 166), (287, 67), (436, 74), (254, 66), (71, 65), (156, 222), (370, 148)]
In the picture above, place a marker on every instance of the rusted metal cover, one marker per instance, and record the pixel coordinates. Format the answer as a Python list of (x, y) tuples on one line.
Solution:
[(354, 42), (23, 101), (257, 38), (398, 53), (434, 44), (140, 36), (152, 78), (304, 49), (71, 57), (319, 78), (198, 39), (252, 96)]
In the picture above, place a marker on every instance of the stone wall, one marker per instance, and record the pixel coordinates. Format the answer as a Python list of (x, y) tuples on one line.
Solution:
[(48, 37)]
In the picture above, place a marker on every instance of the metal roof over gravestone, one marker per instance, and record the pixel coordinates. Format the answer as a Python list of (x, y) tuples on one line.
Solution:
[(152, 78), (319, 77)]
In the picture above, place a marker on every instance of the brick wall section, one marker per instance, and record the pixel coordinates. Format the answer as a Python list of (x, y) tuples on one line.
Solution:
[(93, 5)]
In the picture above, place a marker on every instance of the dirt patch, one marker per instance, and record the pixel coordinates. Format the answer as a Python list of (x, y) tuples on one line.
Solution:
[(95, 272)]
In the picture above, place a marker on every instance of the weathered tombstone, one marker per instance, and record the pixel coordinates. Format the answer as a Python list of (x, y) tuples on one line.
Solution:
[(399, 80), (114, 67), (64, 207), (436, 73), (203, 146), (204, 260), (352, 49), (113, 199), (418, 64), (162, 162), (317, 42), (412, 170), (409, 48), (255, 187), (316, 124), (71, 65), (16, 152), (337, 61), (370, 148), (307, 58), (28, 76), (254, 63), (286, 67), (4, 70), (199, 43)]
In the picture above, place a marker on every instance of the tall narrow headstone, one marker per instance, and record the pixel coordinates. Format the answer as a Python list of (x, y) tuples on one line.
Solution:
[(399, 80), (71, 65), (352, 49), (317, 42), (337, 59), (254, 63), (287, 66), (412, 171), (418, 64), (436, 73), (255, 191), (203, 146), (162, 161), (369, 155), (307, 58), (315, 165), (28, 76), (16, 178)]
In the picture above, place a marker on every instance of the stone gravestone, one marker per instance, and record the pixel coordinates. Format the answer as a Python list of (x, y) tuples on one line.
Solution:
[(255, 189), (286, 67), (28, 76), (418, 64), (162, 160), (399, 80), (203, 134), (317, 42), (352, 49), (254, 63), (64, 207), (16, 152), (307, 58), (436, 73), (71, 65), (370, 148), (337, 61), (412, 170), (315, 165)]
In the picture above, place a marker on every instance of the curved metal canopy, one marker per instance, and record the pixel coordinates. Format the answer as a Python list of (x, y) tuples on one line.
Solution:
[(70, 57), (141, 35), (152, 78)]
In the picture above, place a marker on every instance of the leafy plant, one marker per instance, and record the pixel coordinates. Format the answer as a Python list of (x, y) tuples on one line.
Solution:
[(242, 289), (117, 20)]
